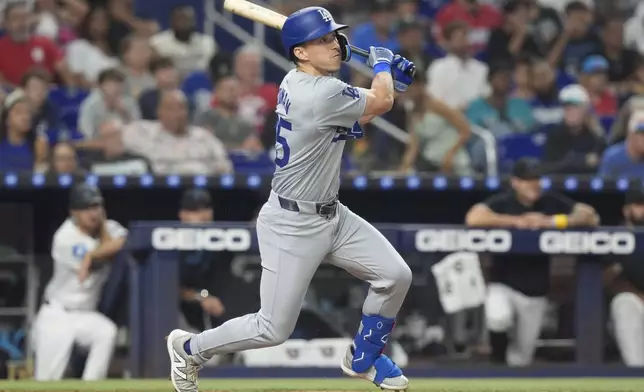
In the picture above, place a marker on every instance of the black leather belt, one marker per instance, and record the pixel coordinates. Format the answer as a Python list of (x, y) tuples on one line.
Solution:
[(60, 306), (325, 210)]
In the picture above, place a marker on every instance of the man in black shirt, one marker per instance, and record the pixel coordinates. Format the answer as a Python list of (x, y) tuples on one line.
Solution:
[(627, 307), (514, 37), (516, 300), (576, 144), (622, 61)]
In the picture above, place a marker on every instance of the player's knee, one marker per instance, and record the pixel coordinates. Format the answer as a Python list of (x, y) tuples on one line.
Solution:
[(270, 333), (401, 277), (108, 332), (498, 317), (626, 305)]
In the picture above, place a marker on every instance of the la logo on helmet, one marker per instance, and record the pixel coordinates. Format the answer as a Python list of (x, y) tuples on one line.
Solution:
[(326, 16)]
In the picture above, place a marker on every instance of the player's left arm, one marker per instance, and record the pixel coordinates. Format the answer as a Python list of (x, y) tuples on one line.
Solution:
[(338, 104), (569, 213), (113, 237)]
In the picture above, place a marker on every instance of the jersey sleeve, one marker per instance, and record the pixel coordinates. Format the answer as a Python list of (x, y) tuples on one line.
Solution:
[(337, 103), (67, 251), (115, 229)]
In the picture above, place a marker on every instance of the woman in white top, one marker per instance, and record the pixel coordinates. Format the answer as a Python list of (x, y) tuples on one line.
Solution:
[(91, 54)]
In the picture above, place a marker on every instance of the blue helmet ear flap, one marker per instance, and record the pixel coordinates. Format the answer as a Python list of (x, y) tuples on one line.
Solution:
[(344, 47)]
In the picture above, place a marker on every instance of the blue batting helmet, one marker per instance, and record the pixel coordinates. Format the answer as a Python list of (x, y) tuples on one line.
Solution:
[(307, 24)]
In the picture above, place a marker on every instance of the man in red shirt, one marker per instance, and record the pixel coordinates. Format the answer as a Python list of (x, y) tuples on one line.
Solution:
[(21, 50), (481, 18), (257, 99), (594, 78)]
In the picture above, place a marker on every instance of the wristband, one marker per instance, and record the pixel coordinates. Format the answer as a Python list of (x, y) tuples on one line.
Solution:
[(381, 67), (560, 221)]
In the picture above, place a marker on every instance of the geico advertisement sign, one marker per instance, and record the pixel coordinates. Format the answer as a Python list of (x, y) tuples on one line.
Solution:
[(454, 240), (234, 240), (596, 242)]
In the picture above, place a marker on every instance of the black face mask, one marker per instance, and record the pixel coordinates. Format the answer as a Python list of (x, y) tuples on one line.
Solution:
[(184, 35)]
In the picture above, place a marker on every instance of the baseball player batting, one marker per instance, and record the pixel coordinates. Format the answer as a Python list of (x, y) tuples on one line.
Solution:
[(303, 224)]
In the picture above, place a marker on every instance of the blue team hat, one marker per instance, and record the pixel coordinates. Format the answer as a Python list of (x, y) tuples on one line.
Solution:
[(594, 63)]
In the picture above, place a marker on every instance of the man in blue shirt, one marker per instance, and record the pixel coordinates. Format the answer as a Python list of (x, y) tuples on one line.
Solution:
[(626, 159), (378, 31)]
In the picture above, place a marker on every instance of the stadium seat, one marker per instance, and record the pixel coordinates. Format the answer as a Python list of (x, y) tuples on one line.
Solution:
[(247, 163), (198, 88), (512, 147)]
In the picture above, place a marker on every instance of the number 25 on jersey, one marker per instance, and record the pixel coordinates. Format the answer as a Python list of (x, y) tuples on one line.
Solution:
[(282, 150)]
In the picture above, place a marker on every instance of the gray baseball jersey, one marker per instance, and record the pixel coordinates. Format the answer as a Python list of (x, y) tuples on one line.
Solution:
[(68, 250), (315, 115)]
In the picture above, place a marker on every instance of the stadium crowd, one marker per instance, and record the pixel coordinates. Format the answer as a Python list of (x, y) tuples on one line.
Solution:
[(89, 86)]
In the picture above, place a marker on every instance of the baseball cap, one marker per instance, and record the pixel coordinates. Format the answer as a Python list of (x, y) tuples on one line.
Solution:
[(634, 196), (196, 199), (83, 196), (594, 63), (527, 169), (636, 122), (574, 94)]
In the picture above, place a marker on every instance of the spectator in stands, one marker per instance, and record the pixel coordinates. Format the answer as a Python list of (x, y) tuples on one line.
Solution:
[(89, 55), (189, 49), (256, 97), (622, 62), (35, 84), (594, 78), (634, 30), (457, 79), (412, 42), (124, 21), (167, 79), (513, 38), (499, 113), (57, 20), (480, 17), (64, 159), (626, 159), (224, 121), (546, 108), (626, 278), (545, 24), (516, 305), (438, 135), (112, 158), (21, 148), (522, 78), (378, 30), (172, 145), (577, 41), (619, 130), (575, 146), (107, 101), (21, 50), (136, 55)]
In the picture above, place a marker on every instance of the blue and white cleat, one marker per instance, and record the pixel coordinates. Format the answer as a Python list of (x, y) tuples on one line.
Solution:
[(384, 373), (184, 369)]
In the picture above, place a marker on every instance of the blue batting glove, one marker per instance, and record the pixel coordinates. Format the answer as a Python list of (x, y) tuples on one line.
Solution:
[(380, 59), (401, 68)]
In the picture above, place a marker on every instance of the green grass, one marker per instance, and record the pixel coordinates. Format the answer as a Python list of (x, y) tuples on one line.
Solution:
[(348, 385)]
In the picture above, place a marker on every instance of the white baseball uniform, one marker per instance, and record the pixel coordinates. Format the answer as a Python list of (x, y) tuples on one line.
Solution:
[(315, 117), (68, 315)]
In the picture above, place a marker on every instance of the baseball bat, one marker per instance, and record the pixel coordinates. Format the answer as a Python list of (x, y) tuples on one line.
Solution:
[(274, 19)]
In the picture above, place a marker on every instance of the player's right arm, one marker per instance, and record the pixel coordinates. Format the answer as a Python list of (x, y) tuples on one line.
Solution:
[(485, 214), (67, 250), (380, 98)]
